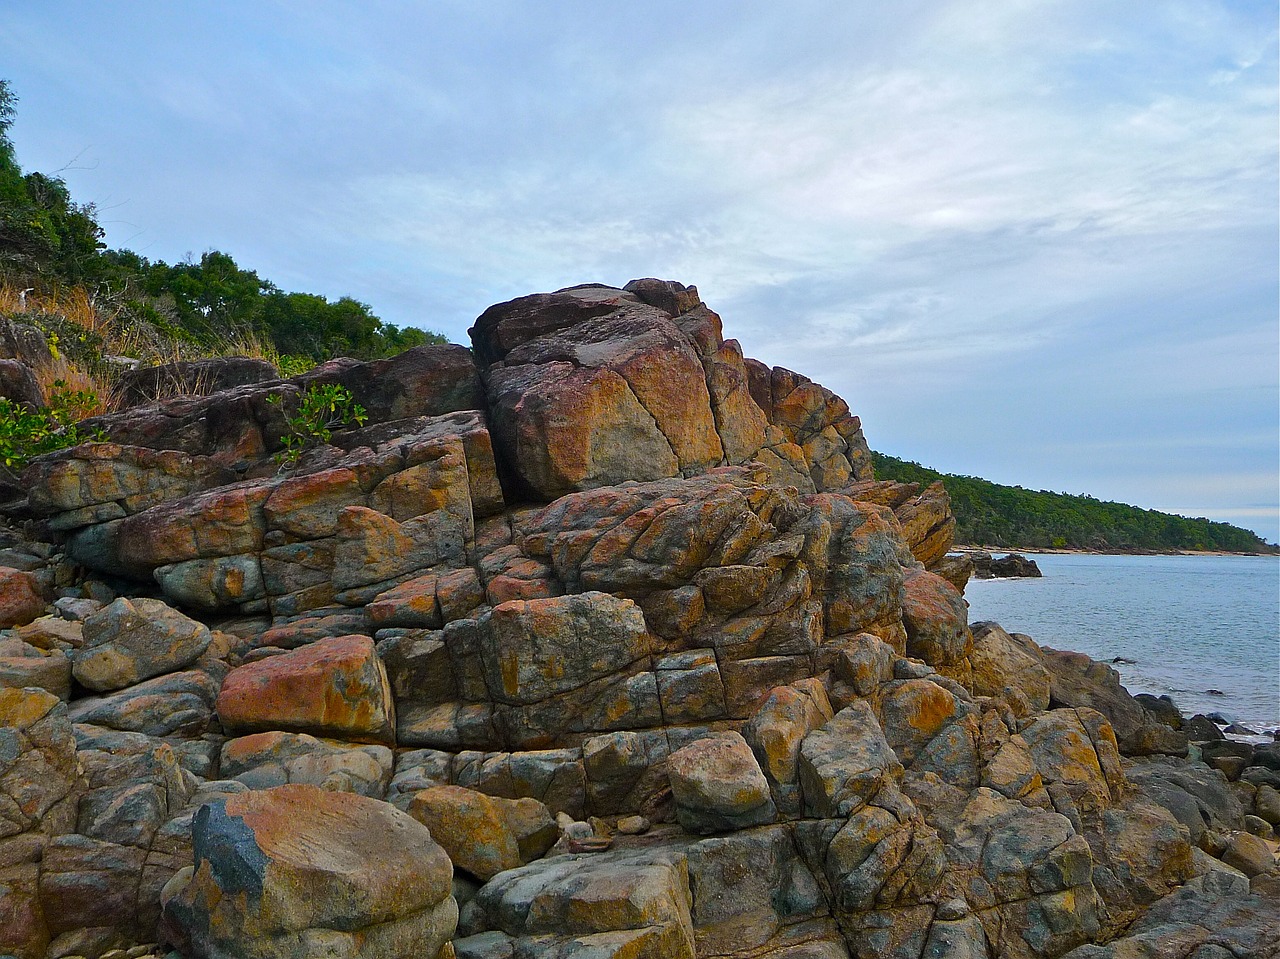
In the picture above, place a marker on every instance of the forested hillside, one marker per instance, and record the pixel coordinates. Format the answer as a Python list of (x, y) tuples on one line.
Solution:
[(988, 514)]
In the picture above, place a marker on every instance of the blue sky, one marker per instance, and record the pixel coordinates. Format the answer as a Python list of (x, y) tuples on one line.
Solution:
[(1031, 241)]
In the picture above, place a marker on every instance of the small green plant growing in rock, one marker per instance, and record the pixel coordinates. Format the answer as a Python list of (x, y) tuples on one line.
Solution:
[(321, 408), (26, 433)]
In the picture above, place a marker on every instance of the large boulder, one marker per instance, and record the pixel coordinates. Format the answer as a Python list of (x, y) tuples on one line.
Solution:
[(333, 687), (485, 835), (718, 786), (133, 640), (297, 871)]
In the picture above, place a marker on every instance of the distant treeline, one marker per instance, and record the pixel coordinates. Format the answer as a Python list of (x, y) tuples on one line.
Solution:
[(988, 514), (50, 244)]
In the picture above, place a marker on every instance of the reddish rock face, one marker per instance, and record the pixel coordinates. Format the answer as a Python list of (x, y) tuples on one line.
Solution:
[(333, 687), (937, 620), (20, 600)]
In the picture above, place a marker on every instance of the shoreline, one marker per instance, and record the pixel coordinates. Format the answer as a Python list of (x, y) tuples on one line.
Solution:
[(1081, 551)]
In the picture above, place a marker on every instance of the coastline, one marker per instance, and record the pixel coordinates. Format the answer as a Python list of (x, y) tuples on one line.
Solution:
[(1081, 551)]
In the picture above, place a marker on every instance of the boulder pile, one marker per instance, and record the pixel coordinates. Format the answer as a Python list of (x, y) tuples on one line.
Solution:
[(598, 639)]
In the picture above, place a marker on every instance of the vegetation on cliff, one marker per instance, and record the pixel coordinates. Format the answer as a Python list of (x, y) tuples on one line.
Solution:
[(988, 514), (57, 274)]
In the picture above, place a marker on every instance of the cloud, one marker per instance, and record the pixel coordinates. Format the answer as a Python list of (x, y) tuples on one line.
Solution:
[(1036, 240)]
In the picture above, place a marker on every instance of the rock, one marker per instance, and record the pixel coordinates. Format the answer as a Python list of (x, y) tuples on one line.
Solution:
[(485, 835), (175, 704), (19, 385), (51, 672), (264, 760), (39, 779), (928, 526), (296, 870), (936, 618), (633, 903), (999, 662), (533, 649), (1162, 709), (20, 599), (132, 640), (718, 786), (1250, 854), (146, 384), (1201, 729), (1267, 804), (845, 762), (955, 568), (634, 825), (1076, 680), (87, 882), (333, 687), (25, 342), (1013, 565), (776, 732), (1195, 794)]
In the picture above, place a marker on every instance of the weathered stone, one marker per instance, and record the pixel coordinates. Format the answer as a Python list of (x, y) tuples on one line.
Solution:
[(633, 903), (1249, 854), (483, 834), (147, 384), (936, 618), (176, 704), (20, 599), (133, 640), (134, 784), (718, 786), (1000, 662), (776, 732), (296, 870), (39, 782), (912, 712), (50, 672), (86, 882), (845, 762), (264, 760), (535, 648), (336, 687)]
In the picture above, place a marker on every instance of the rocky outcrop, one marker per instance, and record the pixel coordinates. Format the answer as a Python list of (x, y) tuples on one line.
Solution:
[(1015, 565), (601, 638)]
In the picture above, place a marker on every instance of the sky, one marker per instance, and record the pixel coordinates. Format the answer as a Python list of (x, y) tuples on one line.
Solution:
[(1035, 242)]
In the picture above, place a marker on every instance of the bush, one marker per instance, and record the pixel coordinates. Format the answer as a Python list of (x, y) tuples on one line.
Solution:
[(321, 408), (26, 433)]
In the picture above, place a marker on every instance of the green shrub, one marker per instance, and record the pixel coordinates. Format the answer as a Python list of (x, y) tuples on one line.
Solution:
[(26, 433), (321, 408)]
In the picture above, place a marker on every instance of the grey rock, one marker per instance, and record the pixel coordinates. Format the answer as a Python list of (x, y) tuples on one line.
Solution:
[(130, 641), (843, 763)]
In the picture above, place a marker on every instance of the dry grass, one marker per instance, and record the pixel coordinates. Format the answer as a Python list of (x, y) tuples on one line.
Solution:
[(63, 375), (116, 334), (74, 303)]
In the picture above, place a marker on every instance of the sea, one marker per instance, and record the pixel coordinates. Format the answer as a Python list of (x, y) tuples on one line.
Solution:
[(1204, 630)]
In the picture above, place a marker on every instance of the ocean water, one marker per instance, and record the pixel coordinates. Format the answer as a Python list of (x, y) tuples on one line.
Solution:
[(1190, 624)]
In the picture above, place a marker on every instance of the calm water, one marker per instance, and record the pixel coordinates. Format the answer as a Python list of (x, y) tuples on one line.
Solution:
[(1190, 623)]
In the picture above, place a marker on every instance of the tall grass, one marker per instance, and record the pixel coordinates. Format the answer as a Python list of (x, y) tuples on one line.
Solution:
[(85, 332)]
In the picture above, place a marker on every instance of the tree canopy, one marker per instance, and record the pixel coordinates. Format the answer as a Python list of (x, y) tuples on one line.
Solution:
[(988, 514)]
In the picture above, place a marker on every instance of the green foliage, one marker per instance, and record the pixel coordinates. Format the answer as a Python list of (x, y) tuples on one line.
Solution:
[(988, 514), (321, 408), (26, 433)]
